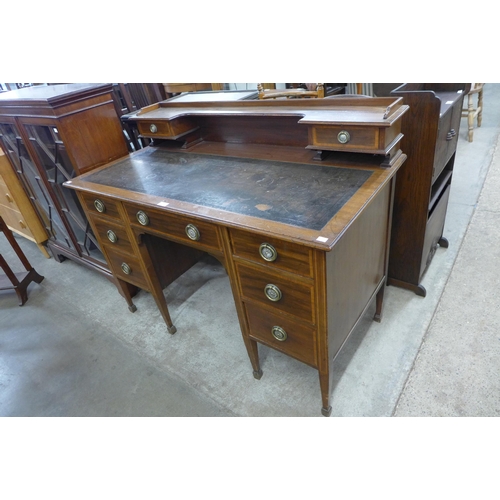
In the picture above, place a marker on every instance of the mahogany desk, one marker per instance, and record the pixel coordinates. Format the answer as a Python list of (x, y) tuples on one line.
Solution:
[(304, 241)]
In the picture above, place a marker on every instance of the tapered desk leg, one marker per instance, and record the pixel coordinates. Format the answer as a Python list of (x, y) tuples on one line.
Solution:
[(325, 384), (155, 288)]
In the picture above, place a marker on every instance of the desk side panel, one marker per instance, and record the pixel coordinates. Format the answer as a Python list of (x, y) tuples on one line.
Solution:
[(355, 268)]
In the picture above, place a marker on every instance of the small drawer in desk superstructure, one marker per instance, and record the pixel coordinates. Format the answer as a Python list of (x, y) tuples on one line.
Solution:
[(354, 138), (277, 291)]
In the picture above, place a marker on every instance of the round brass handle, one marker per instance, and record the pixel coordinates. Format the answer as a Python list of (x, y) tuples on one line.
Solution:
[(126, 268), (112, 236), (22, 224), (153, 128), (99, 206), (192, 232), (143, 218), (279, 334), (272, 292), (268, 252), (343, 137)]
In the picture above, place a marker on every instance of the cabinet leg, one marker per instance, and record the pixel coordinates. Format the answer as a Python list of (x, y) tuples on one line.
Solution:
[(379, 300), (443, 242)]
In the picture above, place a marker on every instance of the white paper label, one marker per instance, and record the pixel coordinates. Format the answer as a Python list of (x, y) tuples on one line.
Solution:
[(163, 204), (322, 239)]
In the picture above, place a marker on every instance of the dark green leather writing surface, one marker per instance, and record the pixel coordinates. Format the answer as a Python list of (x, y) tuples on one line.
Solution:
[(302, 195)]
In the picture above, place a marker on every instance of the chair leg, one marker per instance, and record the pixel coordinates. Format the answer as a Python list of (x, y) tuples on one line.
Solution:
[(480, 108), (470, 118)]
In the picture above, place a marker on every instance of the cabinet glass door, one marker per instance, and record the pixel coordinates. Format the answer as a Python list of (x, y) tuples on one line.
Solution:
[(52, 156), (29, 176)]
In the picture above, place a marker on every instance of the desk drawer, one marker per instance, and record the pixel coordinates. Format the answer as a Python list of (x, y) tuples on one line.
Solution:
[(354, 138), (272, 252), (126, 267), (101, 205), (297, 340), (170, 129), (182, 229), (112, 234), (273, 290)]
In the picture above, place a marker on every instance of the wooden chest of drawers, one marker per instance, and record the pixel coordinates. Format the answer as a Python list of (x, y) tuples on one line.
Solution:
[(16, 208)]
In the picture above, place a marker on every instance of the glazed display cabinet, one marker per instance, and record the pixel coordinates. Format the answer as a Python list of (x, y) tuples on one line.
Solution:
[(51, 134)]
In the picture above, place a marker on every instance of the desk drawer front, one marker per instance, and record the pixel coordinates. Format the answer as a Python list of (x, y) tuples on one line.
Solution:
[(168, 129), (345, 138), (101, 205), (183, 229), (289, 337), (274, 253), (273, 290), (114, 235), (6, 198), (126, 267)]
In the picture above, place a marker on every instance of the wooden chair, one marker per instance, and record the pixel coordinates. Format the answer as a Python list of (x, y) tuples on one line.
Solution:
[(317, 91), (472, 112), (172, 89), (17, 281)]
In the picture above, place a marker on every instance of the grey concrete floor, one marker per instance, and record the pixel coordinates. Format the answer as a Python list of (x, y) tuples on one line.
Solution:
[(74, 349)]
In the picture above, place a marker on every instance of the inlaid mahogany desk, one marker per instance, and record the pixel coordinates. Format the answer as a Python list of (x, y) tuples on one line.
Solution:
[(290, 197)]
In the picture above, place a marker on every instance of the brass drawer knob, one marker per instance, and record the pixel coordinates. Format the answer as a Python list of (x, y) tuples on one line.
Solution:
[(22, 224), (143, 218), (153, 128), (126, 268), (99, 206), (112, 236), (273, 293), (268, 252), (9, 199), (343, 137), (279, 333), (192, 232)]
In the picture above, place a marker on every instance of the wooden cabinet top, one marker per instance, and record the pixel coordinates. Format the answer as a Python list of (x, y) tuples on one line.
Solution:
[(51, 100)]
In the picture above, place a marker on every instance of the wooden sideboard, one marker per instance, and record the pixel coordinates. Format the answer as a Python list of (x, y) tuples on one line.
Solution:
[(423, 184), (290, 197)]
